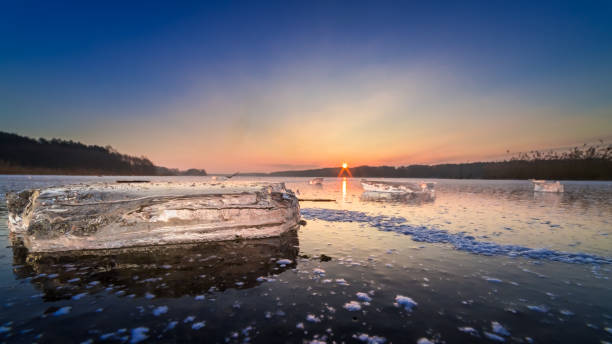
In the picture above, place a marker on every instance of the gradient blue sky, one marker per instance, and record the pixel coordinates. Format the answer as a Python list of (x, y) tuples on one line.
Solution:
[(261, 86)]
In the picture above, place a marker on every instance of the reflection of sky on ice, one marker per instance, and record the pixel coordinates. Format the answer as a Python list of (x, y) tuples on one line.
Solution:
[(338, 280)]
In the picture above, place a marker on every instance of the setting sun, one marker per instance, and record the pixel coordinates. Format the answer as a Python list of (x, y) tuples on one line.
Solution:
[(344, 165)]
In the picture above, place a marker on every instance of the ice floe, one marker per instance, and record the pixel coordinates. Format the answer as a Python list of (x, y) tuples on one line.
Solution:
[(492, 279), (494, 337), (469, 330), (198, 325), (540, 308), (352, 306), (461, 241), (405, 302), (312, 318), (139, 334), (424, 340), (499, 329), (160, 310), (364, 297), (318, 271), (366, 338), (62, 311)]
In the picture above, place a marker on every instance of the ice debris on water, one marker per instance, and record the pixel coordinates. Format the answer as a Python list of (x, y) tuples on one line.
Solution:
[(405, 302), (284, 262), (198, 325), (312, 318), (78, 296), (461, 241), (318, 271), (499, 329), (364, 297), (171, 325), (160, 310), (492, 279), (342, 282), (540, 308), (62, 311), (424, 340), (469, 330), (366, 338), (352, 306), (139, 334), (494, 337), (189, 318)]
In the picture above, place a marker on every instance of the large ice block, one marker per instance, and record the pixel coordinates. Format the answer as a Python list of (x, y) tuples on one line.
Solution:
[(114, 215)]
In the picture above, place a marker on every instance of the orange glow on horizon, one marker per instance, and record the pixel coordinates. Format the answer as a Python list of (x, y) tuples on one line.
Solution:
[(345, 169)]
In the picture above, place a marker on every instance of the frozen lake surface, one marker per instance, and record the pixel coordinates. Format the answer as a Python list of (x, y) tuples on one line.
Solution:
[(485, 261)]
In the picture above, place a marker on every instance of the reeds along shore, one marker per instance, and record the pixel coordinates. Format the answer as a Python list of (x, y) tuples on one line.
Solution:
[(580, 163)]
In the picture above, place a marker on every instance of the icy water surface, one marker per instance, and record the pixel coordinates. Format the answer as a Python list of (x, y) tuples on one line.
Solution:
[(485, 261)]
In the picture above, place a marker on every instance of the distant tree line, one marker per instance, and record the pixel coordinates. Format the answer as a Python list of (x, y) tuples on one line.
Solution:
[(24, 155), (579, 163)]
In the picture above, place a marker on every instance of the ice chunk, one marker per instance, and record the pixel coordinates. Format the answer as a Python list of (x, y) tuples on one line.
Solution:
[(110, 215), (364, 297), (318, 271), (160, 310), (198, 325), (352, 306), (312, 318), (540, 308), (405, 302), (424, 340), (494, 337), (470, 330), (366, 338), (499, 329), (62, 311), (492, 279), (139, 334)]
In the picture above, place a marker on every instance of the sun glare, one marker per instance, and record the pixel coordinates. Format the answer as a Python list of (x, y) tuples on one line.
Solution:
[(344, 165)]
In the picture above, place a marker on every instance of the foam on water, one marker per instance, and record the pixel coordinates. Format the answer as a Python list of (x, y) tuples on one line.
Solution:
[(461, 241)]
